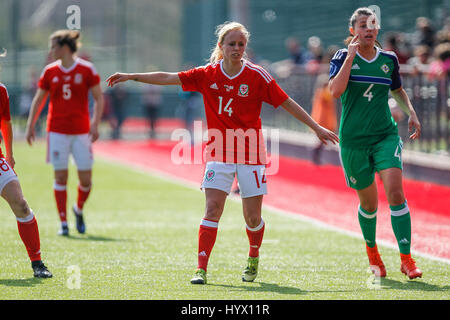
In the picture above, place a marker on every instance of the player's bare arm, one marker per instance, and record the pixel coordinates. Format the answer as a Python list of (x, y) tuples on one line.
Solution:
[(98, 111), (338, 84), (7, 134), (160, 78), (402, 99), (36, 107), (300, 114)]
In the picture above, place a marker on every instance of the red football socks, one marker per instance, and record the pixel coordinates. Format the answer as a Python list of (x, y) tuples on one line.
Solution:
[(206, 238), (255, 237), (60, 192), (29, 233), (83, 194)]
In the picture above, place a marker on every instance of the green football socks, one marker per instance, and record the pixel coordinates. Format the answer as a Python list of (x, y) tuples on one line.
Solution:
[(368, 223), (401, 224)]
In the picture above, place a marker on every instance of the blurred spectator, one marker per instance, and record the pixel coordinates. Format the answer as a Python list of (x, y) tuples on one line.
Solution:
[(190, 103), (424, 34), (443, 35), (440, 67), (392, 43), (421, 60), (323, 111), (152, 104), (314, 54), (118, 96), (296, 53)]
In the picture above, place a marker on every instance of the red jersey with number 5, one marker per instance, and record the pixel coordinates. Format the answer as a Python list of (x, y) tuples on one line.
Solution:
[(233, 108), (4, 108), (68, 111)]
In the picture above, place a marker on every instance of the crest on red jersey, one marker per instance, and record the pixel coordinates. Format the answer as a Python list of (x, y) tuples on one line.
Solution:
[(243, 90), (78, 78)]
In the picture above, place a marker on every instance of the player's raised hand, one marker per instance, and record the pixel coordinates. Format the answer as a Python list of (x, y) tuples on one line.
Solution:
[(117, 77), (353, 46)]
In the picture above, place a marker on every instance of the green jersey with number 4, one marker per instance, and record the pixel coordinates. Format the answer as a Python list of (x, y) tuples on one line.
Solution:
[(366, 117)]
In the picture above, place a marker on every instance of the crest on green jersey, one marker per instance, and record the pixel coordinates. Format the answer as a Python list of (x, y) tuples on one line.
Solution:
[(385, 68)]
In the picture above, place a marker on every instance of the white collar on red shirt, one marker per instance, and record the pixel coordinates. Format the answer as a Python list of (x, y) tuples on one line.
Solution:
[(67, 70), (237, 74)]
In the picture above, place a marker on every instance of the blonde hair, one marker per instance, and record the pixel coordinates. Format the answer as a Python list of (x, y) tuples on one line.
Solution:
[(68, 37), (221, 31)]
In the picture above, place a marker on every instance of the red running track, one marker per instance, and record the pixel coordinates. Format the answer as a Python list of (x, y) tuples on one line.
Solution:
[(317, 192)]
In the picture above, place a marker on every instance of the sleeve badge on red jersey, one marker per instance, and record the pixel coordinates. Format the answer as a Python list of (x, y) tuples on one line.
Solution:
[(243, 90)]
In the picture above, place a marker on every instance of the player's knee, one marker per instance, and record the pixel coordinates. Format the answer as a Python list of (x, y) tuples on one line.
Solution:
[(62, 181), (85, 184), (369, 206), (395, 197), (213, 210), (20, 207), (253, 221)]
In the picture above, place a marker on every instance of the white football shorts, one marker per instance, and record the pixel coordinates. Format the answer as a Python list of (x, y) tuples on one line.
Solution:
[(61, 146), (7, 174), (220, 175)]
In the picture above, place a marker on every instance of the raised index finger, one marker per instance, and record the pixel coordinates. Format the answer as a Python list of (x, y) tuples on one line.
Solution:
[(355, 38)]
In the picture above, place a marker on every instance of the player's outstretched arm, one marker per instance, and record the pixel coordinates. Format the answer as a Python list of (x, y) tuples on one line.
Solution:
[(402, 99), (161, 78), (300, 114), (37, 105)]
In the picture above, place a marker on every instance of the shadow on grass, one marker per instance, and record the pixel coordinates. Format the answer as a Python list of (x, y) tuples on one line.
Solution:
[(90, 237), (30, 282), (263, 286), (411, 285)]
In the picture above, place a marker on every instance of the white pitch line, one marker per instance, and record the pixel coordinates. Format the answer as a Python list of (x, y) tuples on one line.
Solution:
[(294, 215)]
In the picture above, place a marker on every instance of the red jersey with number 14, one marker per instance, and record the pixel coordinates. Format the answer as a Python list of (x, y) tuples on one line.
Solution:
[(233, 108), (68, 111), (4, 108)]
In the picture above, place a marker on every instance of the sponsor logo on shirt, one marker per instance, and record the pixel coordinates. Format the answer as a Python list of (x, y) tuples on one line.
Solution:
[(355, 67), (55, 79), (214, 86), (229, 88)]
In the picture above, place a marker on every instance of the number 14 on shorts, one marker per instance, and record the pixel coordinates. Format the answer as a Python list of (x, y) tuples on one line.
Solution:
[(257, 178)]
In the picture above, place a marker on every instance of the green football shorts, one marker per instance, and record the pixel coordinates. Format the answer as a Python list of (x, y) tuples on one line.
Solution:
[(360, 164)]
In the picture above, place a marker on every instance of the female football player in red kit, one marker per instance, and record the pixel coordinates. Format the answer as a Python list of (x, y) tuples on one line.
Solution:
[(11, 191), (68, 81), (233, 91)]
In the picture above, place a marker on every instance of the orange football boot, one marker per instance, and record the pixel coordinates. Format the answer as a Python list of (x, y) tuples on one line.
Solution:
[(409, 267), (375, 263)]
